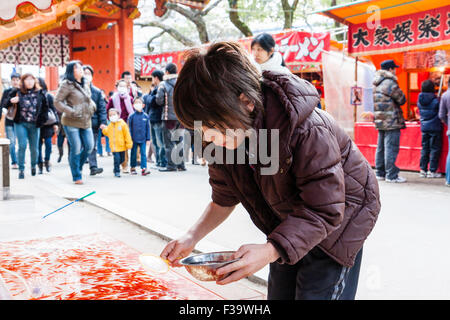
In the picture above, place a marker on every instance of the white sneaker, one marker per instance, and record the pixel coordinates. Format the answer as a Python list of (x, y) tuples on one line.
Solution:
[(434, 175), (447, 184), (380, 178), (397, 180), (423, 174)]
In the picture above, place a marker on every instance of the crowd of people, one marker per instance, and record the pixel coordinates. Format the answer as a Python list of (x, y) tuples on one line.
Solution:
[(389, 121), (80, 113)]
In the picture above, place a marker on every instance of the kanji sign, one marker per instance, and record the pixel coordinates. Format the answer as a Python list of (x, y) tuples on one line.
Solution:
[(298, 47), (158, 61), (423, 29)]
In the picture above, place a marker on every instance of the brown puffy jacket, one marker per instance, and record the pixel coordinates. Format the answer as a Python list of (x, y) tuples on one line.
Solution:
[(324, 193), (75, 104)]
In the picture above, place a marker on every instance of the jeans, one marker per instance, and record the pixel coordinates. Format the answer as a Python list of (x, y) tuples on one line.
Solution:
[(11, 135), (99, 143), (93, 154), (386, 155), (133, 161), (174, 159), (447, 167), (431, 150), (81, 143), (48, 149), (27, 133), (119, 157), (315, 277), (156, 130)]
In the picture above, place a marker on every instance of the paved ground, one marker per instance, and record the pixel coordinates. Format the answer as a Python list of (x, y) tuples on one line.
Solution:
[(21, 219), (405, 257)]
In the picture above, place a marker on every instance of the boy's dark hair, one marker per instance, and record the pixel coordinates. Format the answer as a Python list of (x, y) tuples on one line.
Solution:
[(138, 98), (158, 74), (428, 86), (171, 68), (125, 73), (89, 67), (210, 84)]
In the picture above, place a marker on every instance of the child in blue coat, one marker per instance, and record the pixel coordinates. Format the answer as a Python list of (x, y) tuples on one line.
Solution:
[(139, 123), (431, 128)]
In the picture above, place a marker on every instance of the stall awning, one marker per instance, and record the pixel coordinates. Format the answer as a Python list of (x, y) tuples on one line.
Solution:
[(388, 26), (362, 11), (21, 20)]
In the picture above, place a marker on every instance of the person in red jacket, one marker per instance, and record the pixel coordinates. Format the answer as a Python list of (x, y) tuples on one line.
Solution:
[(317, 197)]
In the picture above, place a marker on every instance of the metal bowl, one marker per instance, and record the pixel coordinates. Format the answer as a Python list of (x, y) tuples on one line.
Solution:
[(203, 266)]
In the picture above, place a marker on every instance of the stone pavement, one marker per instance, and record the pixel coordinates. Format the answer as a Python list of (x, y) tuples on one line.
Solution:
[(21, 219), (404, 257)]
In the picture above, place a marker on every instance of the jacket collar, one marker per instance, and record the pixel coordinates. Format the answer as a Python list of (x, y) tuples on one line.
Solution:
[(170, 76), (297, 100)]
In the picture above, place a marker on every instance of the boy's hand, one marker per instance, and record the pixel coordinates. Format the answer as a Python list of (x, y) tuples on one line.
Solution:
[(252, 257), (102, 126)]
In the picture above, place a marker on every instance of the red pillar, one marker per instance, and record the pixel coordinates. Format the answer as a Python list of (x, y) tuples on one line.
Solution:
[(126, 52), (52, 78)]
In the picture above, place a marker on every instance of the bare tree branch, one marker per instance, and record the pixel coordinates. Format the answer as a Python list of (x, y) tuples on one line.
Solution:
[(234, 18), (173, 32), (212, 6), (195, 17), (149, 47)]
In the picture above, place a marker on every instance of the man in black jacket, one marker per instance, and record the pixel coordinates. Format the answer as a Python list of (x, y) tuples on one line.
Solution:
[(98, 118), (9, 124), (154, 111)]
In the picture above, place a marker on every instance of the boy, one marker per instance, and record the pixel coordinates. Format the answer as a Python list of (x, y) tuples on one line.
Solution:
[(119, 139), (139, 124)]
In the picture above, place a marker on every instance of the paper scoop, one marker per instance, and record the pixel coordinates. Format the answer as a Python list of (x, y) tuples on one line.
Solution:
[(154, 263)]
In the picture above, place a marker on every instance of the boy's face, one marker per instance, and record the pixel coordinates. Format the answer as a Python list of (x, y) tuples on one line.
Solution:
[(138, 106)]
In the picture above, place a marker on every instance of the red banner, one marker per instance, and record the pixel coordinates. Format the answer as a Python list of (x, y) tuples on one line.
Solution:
[(425, 29), (298, 49), (158, 61)]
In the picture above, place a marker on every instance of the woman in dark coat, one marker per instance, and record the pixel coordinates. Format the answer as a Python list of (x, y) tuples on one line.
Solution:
[(31, 114), (316, 197), (48, 130)]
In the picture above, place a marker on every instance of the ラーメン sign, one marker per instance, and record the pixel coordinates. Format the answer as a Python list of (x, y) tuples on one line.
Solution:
[(158, 61), (298, 49), (424, 29)]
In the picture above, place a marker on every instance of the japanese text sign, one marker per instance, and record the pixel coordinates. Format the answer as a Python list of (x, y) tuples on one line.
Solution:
[(420, 30)]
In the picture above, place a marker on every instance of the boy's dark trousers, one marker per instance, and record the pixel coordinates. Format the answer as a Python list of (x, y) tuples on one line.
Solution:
[(315, 277), (119, 157), (431, 150)]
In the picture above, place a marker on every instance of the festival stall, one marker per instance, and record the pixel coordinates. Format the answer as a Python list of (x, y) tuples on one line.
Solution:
[(416, 35), (302, 53)]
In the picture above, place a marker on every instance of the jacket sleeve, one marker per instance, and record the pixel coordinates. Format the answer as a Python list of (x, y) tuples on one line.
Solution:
[(319, 179), (444, 109), (130, 125), (222, 194), (128, 140), (397, 94), (160, 95), (106, 131), (147, 130), (101, 109), (60, 99)]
